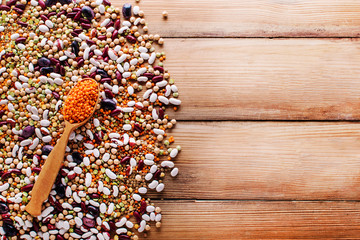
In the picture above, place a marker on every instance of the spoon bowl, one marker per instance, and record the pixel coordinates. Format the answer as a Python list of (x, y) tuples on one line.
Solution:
[(51, 167)]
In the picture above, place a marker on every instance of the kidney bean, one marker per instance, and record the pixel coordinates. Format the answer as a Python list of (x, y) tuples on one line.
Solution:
[(125, 159)]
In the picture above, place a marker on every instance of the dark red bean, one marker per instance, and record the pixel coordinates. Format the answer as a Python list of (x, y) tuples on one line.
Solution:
[(105, 52), (115, 112), (74, 34), (138, 127), (18, 10), (114, 34), (77, 16), (78, 30), (125, 159), (2, 123), (42, 4), (59, 237), (76, 9), (11, 122), (104, 80), (20, 40), (106, 2), (11, 2), (148, 75), (128, 171), (157, 174), (51, 227), (143, 206), (110, 24), (2, 112), (97, 138), (58, 206), (91, 54), (85, 25), (5, 8), (112, 225), (27, 188), (83, 20), (140, 165), (92, 75), (137, 216), (43, 17), (108, 93), (36, 170), (131, 39), (80, 62), (161, 113), (71, 14), (85, 76), (54, 61), (90, 42), (158, 68), (157, 78), (88, 222), (21, 6), (118, 75), (50, 14), (63, 12), (102, 37), (62, 71), (124, 237), (23, 24), (57, 68), (94, 196), (117, 24), (83, 206)]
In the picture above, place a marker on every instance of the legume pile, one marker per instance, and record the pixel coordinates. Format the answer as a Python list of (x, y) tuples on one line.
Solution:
[(113, 160)]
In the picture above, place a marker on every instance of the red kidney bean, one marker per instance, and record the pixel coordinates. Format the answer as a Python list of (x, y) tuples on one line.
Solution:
[(137, 216), (91, 54), (114, 34), (131, 39), (83, 206), (85, 76), (21, 6), (78, 30), (71, 14), (143, 206), (63, 12), (20, 40), (59, 237), (105, 52), (117, 24), (27, 188), (42, 4), (157, 78), (158, 68), (115, 112), (11, 2), (62, 70), (128, 170), (108, 93), (74, 34), (138, 127), (161, 113), (92, 75), (106, 59), (83, 20), (5, 8), (111, 23), (57, 68), (125, 159), (43, 17), (102, 37), (80, 62), (36, 170), (103, 80), (18, 10), (97, 138), (85, 25), (77, 16), (11, 122), (118, 75), (106, 2), (124, 237), (2, 112), (3, 123), (157, 174), (140, 165), (112, 225), (76, 9), (51, 227), (23, 24), (54, 61), (50, 14), (90, 42), (148, 75)]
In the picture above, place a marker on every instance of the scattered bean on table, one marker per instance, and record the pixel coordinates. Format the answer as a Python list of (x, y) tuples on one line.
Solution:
[(123, 151)]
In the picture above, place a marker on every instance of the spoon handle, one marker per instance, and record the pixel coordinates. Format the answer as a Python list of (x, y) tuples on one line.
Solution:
[(49, 171)]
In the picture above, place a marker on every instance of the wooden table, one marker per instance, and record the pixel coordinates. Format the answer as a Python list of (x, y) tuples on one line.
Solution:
[(270, 91)]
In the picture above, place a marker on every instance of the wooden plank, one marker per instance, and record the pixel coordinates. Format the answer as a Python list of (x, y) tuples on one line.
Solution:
[(266, 160), (266, 79), (253, 18), (258, 220)]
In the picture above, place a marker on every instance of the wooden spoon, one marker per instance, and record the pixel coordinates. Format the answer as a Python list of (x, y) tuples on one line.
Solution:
[(50, 169)]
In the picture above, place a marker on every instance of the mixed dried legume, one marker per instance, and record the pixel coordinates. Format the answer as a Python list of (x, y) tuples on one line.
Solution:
[(113, 160)]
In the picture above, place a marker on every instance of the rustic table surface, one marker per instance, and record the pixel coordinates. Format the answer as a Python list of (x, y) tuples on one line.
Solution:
[(270, 92)]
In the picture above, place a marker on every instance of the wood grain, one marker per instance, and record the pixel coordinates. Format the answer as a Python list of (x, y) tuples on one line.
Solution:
[(253, 18), (258, 220), (266, 79), (266, 160)]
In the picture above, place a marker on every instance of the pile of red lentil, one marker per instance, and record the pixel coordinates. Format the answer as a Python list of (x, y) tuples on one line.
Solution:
[(116, 158)]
